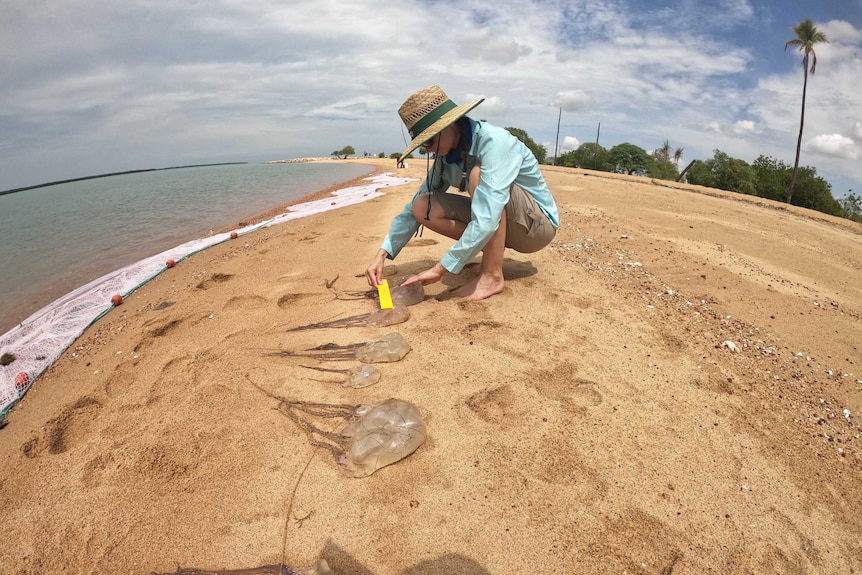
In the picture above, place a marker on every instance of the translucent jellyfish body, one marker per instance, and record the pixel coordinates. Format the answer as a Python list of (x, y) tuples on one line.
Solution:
[(361, 376), (398, 313), (374, 435), (355, 377), (408, 295), (322, 568), (390, 347), (384, 433)]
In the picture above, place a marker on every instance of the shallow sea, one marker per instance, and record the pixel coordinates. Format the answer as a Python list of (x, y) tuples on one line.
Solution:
[(57, 238)]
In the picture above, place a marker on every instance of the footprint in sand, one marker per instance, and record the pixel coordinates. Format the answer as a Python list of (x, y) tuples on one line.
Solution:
[(514, 269), (496, 405), (291, 298), (575, 393), (246, 302), (212, 280), (162, 329), (310, 237), (484, 324), (66, 430), (672, 342), (550, 457)]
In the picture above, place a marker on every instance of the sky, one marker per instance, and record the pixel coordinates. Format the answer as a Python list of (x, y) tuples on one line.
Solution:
[(100, 86)]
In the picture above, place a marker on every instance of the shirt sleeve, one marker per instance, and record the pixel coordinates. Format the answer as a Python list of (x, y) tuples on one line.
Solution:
[(500, 163), (403, 226), (402, 229)]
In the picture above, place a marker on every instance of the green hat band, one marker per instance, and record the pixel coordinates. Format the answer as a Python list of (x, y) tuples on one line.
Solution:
[(428, 119)]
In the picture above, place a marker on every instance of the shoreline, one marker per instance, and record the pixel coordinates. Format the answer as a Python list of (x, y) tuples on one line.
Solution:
[(311, 196), (37, 301), (45, 298), (64, 320)]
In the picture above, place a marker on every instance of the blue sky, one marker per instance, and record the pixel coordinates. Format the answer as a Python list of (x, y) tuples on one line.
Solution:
[(103, 86)]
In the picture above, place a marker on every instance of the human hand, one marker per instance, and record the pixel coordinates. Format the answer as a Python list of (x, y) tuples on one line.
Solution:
[(429, 276), (374, 273)]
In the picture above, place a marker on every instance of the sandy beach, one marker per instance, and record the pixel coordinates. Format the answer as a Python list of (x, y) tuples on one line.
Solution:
[(673, 386)]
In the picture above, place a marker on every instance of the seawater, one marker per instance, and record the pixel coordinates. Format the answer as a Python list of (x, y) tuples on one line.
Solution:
[(59, 237)]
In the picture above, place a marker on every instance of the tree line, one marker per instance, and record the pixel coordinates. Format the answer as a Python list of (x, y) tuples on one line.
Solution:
[(767, 177)]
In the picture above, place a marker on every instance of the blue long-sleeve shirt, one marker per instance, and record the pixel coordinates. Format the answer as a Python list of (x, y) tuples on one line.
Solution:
[(504, 160)]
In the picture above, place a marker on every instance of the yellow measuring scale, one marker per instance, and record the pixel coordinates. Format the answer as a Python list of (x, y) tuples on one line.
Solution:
[(385, 295)]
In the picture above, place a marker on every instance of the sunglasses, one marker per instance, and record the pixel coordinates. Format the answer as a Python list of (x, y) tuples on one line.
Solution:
[(430, 143)]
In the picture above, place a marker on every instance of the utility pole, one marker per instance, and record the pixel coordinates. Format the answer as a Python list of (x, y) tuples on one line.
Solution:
[(679, 179), (596, 151), (557, 144)]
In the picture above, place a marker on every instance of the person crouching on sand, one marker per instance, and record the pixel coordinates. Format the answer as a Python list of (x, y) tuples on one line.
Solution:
[(509, 203)]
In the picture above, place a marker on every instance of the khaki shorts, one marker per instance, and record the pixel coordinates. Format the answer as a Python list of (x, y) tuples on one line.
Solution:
[(528, 229)]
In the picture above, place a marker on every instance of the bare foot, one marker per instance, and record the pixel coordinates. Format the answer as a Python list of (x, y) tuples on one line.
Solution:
[(480, 288)]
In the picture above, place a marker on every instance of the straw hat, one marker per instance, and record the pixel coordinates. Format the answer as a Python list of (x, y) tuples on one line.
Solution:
[(427, 113)]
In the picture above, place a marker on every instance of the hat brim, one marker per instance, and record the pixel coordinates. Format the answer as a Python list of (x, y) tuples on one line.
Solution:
[(448, 118)]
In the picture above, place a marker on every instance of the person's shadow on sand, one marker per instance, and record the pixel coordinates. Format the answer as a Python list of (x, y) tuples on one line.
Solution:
[(451, 563), (342, 563)]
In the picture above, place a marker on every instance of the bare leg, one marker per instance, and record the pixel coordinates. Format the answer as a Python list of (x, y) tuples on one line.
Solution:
[(490, 279), (437, 220)]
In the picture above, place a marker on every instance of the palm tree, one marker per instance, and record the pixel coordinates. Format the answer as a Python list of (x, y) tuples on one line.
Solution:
[(664, 152), (807, 36)]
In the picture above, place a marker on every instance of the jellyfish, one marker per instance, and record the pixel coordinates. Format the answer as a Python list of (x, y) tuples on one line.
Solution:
[(373, 435), (398, 313), (389, 348), (384, 433), (355, 377), (405, 295), (408, 295), (322, 568)]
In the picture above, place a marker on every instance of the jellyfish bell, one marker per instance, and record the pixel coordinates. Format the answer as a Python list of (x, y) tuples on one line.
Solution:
[(384, 433), (408, 295)]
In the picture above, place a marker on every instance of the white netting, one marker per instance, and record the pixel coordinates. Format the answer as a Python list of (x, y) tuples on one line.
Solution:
[(39, 340)]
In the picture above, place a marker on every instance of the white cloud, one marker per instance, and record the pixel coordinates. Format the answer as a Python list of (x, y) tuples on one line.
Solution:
[(834, 145), (573, 100), (493, 106), (356, 108), (841, 32), (486, 45), (745, 127), (741, 8), (857, 132), (570, 143), (711, 127)]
